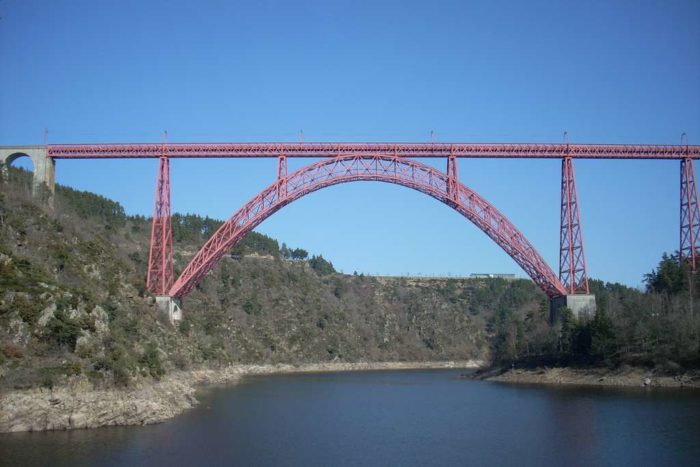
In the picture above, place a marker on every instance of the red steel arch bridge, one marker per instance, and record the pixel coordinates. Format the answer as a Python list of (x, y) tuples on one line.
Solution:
[(391, 163)]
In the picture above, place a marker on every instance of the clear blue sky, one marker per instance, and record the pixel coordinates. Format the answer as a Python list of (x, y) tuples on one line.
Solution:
[(488, 71)]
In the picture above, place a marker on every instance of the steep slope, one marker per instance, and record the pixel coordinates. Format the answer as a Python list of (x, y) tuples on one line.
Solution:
[(72, 301)]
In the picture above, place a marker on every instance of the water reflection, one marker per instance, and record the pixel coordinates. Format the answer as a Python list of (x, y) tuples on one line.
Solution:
[(572, 422), (391, 418)]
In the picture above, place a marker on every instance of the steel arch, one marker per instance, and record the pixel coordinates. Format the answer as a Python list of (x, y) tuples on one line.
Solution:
[(379, 167)]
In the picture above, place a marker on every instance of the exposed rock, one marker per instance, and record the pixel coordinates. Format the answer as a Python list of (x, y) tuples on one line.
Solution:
[(85, 344), (101, 320), (19, 332), (46, 314), (79, 405), (92, 271), (625, 376)]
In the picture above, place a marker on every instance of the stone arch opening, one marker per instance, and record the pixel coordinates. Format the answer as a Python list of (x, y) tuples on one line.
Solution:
[(42, 178), (24, 161), (18, 168)]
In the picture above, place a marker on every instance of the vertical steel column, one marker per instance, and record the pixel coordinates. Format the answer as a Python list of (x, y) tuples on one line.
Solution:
[(452, 178), (281, 177), (572, 263), (160, 258), (690, 218)]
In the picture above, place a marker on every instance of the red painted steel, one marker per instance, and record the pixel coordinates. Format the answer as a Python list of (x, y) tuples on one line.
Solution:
[(160, 258), (282, 176), (384, 168), (572, 262), (452, 178), (475, 150), (690, 217)]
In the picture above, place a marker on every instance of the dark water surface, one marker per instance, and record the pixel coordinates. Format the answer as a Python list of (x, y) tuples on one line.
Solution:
[(392, 419)]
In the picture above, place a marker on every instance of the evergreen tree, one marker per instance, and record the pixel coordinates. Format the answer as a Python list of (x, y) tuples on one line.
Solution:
[(321, 265), (299, 253), (284, 251)]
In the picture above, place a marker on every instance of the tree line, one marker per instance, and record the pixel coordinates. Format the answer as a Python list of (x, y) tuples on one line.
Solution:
[(659, 326)]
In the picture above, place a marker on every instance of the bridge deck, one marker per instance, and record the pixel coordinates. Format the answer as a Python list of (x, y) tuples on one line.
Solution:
[(415, 150)]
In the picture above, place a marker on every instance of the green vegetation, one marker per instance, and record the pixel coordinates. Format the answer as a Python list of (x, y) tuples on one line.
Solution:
[(257, 243), (63, 330), (72, 291), (320, 265), (191, 228), (671, 277), (656, 328), (73, 305), (151, 360), (86, 204)]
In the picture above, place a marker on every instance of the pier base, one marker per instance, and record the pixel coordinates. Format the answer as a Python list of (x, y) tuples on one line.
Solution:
[(171, 306), (582, 306)]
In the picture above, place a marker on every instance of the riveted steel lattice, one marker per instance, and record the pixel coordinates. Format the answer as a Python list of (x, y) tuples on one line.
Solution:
[(572, 262), (377, 167), (477, 150), (690, 218), (160, 258), (452, 178)]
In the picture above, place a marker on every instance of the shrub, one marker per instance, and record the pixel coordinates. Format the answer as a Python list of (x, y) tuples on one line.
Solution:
[(151, 358), (251, 306), (48, 380), (12, 350), (63, 330), (321, 265), (28, 310), (119, 363), (122, 376), (72, 369)]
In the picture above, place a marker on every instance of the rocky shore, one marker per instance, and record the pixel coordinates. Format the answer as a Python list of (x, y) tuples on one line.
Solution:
[(78, 404), (622, 377)]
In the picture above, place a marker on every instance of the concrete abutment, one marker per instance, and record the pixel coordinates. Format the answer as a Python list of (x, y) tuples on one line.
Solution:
[(581, 305), (171, 307)]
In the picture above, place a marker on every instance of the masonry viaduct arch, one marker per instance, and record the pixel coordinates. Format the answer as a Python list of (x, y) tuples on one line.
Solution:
[(44, 177)]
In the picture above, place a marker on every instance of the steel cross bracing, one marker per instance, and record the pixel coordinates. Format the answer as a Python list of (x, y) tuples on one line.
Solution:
[(281, 176), (452, 178), (475, 150), (572, 262), (690, 217), (160, 257), (384, 168), (351, 160)]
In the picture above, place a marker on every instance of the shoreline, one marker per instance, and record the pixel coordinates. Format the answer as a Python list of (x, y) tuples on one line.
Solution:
[(624, 377), (78, 404)]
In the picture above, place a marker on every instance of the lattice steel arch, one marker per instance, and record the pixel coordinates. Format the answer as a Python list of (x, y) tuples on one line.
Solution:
[(383, 168)]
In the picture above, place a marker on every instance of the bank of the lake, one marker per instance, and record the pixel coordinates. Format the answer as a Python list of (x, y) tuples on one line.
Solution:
[(625, 376), (78, 404), (409, 417)]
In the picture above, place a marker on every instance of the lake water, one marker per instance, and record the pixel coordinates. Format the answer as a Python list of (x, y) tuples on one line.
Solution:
[(393, 419)]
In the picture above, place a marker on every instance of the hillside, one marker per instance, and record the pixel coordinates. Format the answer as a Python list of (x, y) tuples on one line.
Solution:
[(73, 301)]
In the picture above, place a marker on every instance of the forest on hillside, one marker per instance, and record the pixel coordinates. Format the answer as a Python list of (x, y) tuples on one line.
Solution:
[(73, 302)]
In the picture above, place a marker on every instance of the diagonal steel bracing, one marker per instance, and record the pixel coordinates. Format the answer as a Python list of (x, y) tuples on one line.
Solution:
[(160, 258), (389, 162), (385, 168), (572, 262), (330, 150), (690, 218)]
